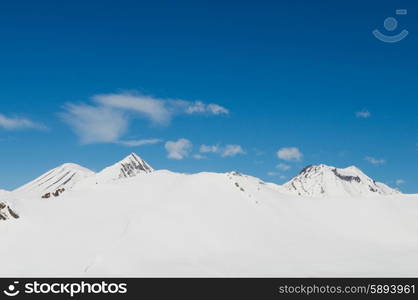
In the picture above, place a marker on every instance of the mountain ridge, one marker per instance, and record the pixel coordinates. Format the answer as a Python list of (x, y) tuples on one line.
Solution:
[(312, 181)]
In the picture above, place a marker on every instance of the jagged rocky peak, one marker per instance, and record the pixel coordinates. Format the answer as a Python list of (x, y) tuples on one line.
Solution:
[(6, 212), (132, 165), (322, 180)]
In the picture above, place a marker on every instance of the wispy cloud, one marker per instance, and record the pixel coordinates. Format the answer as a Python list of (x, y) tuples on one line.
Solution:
[(107, 118), (224, 151), (276, 174), (137, 143), (400, 182), (178, 149), (202, 108), (375, 161), (151, 108), (209, 149), (95, 124), (258, 152), (289, 154), (364, 114), (19, 123), (283, 167), (273, 174), (232, 150)]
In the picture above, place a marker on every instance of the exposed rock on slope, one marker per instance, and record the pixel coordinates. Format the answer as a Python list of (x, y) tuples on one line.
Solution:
[(6, 212)]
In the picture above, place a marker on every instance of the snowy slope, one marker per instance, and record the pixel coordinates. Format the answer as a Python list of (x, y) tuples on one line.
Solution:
[(62, 177), (209, 224), (327, 181), (3, 193)]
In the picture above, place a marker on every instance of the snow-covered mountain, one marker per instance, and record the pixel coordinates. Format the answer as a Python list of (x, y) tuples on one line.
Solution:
[(327, 181), (67, 176), (208, 224), (130, 166), (59, 179), (133, 221)]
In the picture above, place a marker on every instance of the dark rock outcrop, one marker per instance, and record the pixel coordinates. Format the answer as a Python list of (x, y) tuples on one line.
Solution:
[(6, 212)]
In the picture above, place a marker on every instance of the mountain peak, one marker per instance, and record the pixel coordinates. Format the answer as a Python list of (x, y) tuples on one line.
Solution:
[(64, 177), (130, 166), (322, 180)]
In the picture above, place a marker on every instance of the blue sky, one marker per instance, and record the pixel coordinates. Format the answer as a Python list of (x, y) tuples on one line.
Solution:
[(90, 81)]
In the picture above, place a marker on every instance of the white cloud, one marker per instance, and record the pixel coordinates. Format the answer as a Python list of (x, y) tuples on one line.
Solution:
[(199, 156), (216, 109), (273, 174), (208, 149), (258, 152), (224, 151), (137, 143), (108, 119), (289, 154), (196, 107), (400, 182), (200, 107), (95, 124), (178, 149), (17, 123), (232, 150), (375, 161), (283, 167), (276, 174), (152, 108), (364, 114)]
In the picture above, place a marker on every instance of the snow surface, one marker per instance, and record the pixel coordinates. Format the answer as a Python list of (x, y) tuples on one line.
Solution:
[(4, 194), (208, 224)]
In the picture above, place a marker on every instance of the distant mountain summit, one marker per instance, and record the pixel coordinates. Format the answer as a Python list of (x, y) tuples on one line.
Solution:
[(323, 181), (60, 178), (130, 166)]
